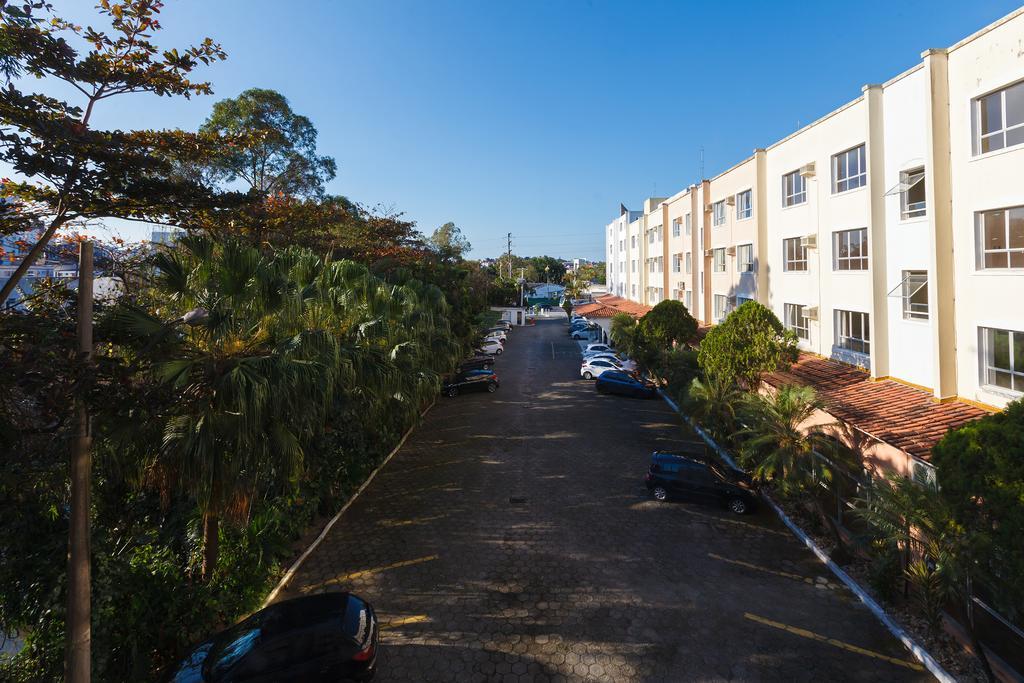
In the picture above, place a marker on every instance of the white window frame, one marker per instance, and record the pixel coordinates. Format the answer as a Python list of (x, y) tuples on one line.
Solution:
[(1015, 367), (675, 227), (687, 299), (689, 262), (744, 205), (910, 179), (789, 263), (914, 282), (688, 223), (844, 338), (842, 179), (718, 257), (745, 258), (677, 263), (1000, 133), (982, 253), (795, 320), (861, 261), (718, 213), (721, 307), (790, 195)]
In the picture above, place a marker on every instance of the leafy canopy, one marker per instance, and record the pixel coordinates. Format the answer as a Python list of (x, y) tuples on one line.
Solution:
[(279, 155), (748, 343), (668, 323)]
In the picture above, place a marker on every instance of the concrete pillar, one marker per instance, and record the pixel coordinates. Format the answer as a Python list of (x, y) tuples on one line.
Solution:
[(875, 151), (939, 193)]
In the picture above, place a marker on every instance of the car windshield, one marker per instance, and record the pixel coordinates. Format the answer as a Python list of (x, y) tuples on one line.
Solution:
[(234, 644)]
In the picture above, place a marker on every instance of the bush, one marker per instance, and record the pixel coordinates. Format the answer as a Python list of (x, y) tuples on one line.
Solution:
[(748, 343)]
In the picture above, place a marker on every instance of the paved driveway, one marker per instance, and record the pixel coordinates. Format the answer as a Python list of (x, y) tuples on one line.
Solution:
[(512, 539)]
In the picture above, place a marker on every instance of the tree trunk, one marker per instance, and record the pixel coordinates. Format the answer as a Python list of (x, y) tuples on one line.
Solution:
[(78, 645), (211, 544)]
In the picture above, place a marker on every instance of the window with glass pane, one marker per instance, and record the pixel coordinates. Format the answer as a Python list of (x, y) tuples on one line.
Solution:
[(999, 119), (852, 331), (689, 263), (744, 205), (1003, 359), (850, 249), (794, 255), (1000, 238), (849, 170), (721, 306), (677, 260), (915, 294), (719, 255), (686, 222), (796, 320), (794, 189), (912, 201), (718, 213), (745, 258), (675, 227), (688, 299)]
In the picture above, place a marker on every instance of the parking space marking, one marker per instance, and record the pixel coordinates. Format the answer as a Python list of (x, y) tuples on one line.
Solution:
[(368, 572), (736, 521), (811, 635), (776, 572), (404, 621), (392, 523)]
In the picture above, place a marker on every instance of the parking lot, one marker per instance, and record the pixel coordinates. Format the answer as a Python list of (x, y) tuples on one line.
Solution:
[(512, 538)]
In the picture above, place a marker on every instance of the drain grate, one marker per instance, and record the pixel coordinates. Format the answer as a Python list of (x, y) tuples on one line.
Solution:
[(517, 500)]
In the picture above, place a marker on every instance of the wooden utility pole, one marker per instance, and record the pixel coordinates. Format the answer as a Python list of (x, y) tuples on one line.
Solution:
[(79, 635)]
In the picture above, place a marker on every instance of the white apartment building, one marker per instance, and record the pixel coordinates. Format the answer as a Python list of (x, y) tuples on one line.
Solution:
[(888, 234)]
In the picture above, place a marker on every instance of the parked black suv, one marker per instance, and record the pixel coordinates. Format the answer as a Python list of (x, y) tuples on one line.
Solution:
[(690, 473)]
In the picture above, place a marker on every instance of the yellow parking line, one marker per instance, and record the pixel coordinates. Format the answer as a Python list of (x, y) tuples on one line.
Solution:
[(748, 565), (391, 523), (736, 521), (367, 572), (395, 623), (811, 635)]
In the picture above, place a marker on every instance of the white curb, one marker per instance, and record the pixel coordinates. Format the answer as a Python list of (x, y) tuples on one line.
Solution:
[(288, 575), (919, 652)]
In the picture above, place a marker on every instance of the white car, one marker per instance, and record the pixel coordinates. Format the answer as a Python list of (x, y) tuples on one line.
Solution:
[(595, 368), (624, 362), (500, 336), (596, 348), (491, 347)]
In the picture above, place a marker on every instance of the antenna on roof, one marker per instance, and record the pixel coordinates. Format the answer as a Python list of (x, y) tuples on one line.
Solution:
[(701, 176)]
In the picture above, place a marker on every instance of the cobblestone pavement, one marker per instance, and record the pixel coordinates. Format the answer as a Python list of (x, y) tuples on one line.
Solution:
[(512, 539)]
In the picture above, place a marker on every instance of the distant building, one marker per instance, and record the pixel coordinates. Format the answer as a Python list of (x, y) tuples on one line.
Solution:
[(53, 263)]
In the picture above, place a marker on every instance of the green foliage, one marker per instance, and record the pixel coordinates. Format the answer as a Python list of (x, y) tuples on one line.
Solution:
[(713, 403), (884, 568), (449, 242), (981, 475), (748, 343), (678, 368), (667, 324), (277, 153)]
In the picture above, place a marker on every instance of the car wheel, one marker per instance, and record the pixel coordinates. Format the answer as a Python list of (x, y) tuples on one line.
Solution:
[(660, 494), (492, 387), (738, 505), (588, 375), (453, 391), (498, 350)]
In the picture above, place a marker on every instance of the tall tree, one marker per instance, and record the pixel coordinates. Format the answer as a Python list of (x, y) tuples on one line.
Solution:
[(668, 324), (279, 156), (66, 170), (449, 242), (748, 343)]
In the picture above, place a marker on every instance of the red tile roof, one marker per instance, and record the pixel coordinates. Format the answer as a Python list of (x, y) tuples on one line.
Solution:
[(596, 310), (895, 413), (620, 305)]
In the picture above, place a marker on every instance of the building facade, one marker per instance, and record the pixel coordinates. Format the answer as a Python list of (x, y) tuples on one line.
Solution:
[(888, 234)]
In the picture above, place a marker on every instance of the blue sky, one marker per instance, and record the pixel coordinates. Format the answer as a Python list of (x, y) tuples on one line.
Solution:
[(539, 118)]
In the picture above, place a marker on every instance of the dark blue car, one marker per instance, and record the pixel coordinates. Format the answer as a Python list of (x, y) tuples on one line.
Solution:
[(625, 384), (318, 638)]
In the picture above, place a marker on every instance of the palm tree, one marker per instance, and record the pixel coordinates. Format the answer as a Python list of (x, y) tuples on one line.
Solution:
[(940, 556), (713, 403), (252, 382)]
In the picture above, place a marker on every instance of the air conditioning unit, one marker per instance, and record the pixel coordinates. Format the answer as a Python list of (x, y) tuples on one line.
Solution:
[(730, 251), (807, 170), (707, 208), (730, 300), (709, 252), (681, 285), (730, 200), (809, 242), (811, 312)]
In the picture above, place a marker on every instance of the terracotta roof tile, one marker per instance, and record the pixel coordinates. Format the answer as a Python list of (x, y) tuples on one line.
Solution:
[(901, 416)]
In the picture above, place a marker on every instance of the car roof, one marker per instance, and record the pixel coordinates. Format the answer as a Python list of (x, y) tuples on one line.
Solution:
[(693, 450)]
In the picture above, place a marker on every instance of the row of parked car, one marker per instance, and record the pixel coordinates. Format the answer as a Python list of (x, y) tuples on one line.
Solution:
[(476, 373), (615, 373)]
